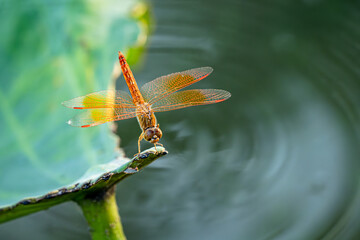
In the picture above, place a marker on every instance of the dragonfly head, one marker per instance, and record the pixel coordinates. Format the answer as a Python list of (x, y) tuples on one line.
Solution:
[(152, 134)]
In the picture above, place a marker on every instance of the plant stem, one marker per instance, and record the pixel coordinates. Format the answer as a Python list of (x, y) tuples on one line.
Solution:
[(101, 213)]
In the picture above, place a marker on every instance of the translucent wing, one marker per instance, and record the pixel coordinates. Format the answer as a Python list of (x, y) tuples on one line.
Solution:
[(164, 86), (190, 98), (102, 99), (93, 117)]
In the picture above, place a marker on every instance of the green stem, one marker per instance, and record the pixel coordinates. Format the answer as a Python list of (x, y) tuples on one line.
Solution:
[(101, 213)]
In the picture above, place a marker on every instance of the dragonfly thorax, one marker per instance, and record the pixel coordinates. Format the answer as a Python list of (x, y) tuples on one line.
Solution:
[(145, 116)]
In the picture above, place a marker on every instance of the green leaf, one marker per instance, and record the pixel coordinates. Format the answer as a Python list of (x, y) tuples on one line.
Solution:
[(102, 177), (50, 53)]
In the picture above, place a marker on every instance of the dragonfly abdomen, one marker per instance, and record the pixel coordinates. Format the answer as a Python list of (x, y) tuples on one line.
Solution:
[(130, 81)]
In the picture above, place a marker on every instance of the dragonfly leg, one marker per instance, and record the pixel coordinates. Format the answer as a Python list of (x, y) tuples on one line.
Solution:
[(141, 137), (157, 144)]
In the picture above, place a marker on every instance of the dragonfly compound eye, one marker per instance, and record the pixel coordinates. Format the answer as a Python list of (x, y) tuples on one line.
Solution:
[(148, 134), (158, 132), (157, 135)]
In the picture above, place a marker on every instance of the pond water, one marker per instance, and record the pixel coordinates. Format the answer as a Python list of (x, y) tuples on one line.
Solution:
[(278, 160)]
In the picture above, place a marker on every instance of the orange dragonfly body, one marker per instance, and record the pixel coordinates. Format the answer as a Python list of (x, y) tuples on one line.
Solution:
[(158, 95)]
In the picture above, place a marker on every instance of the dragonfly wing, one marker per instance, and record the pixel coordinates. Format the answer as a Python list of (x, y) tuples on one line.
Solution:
[(101, 99), (190, 98), (93, 117), (164, 86)]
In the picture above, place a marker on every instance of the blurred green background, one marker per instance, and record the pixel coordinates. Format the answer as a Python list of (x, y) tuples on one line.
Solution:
[(278, 160)]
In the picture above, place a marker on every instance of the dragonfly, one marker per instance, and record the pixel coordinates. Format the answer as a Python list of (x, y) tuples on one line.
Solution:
[(160, 95)]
